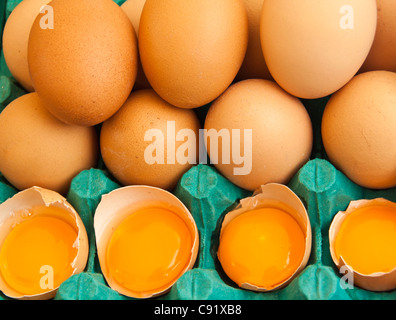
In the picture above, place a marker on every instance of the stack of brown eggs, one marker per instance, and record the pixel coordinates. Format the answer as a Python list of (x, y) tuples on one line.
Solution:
[(127, 85)]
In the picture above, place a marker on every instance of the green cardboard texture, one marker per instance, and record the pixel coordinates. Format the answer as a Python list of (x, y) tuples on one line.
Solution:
[(208, 195)]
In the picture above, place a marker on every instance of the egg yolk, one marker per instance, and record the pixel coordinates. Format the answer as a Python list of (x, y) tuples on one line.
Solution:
[(263, 247), (366, 240), (37, 254), (149, 250)]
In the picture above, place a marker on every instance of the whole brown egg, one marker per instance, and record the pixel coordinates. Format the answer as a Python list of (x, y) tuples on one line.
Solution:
[(37, 149), (256, 133), (358, 129), (192, 50), (15, 39), (149, 141), (82, 59), (314, 47), (382, 55)]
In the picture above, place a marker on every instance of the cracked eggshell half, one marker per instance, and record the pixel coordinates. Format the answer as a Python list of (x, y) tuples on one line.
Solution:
[(17, 209), (120, 204), (375, 281), (277, 196)]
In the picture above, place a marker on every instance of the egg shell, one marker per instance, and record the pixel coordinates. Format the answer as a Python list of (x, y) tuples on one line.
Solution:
[(37, 149), (84, 67), (191, 51), (358, 129), (278, 196), (379, 281), (281, 133), (15, 40), (383, 51), (315, 183), (11, 213), (314, 47), (254, 66), (115, 206), (124, 143), (133, 9)]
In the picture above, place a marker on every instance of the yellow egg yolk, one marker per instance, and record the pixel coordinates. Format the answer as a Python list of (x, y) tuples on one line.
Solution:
[(149, 250), (37, 254), (366, 240), (263, 247)]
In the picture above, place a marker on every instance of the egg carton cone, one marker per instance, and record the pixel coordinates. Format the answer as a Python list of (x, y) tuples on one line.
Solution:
[(209, 196)]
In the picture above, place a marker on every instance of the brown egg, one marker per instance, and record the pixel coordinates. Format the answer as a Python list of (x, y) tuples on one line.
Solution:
[(192, 50), (150, 142), (266, 134), (254, 65), (358, 129), (15, 39), (133, 9), (314, 47), (84, 67), (37, 149), (382, 55)]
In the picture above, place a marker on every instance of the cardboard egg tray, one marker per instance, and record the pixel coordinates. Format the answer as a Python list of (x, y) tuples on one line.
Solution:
[(208, 195)]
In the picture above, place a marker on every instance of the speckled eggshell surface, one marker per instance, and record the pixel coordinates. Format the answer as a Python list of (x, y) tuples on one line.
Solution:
[(192, 50), (358, 129), (314, 47), (382, 55), (281, 134), (83, 68), (37, 149), (141, 142)]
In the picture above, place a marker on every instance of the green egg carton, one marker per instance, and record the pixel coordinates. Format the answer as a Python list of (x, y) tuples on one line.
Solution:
[(209, 196)]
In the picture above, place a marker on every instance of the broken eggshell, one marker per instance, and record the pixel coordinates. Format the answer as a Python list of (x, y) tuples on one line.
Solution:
[(279, 196), (14, 211), (116, 206), (378, 281)]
